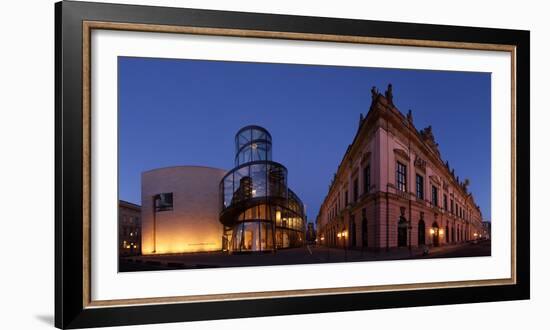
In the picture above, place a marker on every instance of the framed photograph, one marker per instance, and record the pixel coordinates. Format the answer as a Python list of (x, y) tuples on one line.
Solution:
[(216, 164)]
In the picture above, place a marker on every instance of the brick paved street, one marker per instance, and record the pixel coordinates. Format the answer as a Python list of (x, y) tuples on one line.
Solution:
[(305, 255)]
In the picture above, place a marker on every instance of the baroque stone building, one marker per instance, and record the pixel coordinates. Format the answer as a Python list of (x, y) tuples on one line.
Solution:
[(392, 188)]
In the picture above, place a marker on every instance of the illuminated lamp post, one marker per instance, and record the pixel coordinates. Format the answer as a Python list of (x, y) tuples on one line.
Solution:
[(345, 235)]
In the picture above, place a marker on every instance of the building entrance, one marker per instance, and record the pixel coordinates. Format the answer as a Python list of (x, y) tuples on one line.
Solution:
[(402, 232)]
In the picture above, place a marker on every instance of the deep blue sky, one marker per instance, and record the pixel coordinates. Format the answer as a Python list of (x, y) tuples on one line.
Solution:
[(186, 112)]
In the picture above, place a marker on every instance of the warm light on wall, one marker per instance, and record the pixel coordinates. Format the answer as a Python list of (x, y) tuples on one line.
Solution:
[(432, 231), (174, 241), (278, 215), (441, 232)]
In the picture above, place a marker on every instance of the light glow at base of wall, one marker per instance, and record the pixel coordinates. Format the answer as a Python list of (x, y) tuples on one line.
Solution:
[(182, 248), (177, 242)]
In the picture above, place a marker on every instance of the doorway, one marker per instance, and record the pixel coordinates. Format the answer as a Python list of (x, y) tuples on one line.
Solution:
[(435, 229), (421, 233), (402, 232)]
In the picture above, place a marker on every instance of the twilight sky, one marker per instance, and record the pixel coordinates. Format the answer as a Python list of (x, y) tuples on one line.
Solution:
[(186, 112)]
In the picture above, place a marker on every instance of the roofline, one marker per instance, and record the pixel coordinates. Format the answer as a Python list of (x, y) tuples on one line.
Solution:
[(121, 201), (184, 166), (253, 127)]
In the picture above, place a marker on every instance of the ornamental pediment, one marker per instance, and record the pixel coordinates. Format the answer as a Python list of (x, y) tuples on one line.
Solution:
[(401, 153), (420, 162), (435, 179)]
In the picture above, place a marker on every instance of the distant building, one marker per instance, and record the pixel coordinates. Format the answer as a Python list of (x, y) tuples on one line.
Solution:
[(310, 232), (129, 229), (486, 229), (180, 210), (392, 188)]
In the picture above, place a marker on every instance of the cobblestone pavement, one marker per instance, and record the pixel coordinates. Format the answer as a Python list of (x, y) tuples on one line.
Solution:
[(305, 255)]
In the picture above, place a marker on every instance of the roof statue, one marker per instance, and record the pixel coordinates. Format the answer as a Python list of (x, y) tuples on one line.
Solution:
[(389, 94), (374, 93), (427, 135), (410, 116)]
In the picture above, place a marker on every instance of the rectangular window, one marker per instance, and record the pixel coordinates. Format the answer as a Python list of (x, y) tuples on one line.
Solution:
[(163, 202), (401, 177), (445, 202), (452, 206), (366, 179), (419, 186), (434, 195), (355, 190), (346, 198)]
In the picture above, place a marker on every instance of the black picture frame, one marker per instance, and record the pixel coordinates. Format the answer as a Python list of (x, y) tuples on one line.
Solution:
[(70, 310)]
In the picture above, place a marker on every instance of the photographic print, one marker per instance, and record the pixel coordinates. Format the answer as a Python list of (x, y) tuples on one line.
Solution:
[(214, 164), (232, 164)]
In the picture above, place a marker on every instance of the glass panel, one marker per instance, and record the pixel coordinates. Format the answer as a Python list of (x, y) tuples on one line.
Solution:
[(242, 184), (266, 236), (257, 134), (277, 181), (228, 190), (258, 174), (237, 237), (251, 236), (286, 239)]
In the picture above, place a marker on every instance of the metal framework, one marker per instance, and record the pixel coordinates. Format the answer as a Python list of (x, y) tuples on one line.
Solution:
[(258, 210)]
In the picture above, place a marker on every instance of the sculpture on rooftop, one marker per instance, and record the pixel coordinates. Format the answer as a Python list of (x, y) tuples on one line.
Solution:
[(389, 94)]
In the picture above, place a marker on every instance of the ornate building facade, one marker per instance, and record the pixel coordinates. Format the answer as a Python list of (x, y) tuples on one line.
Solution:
[(392, 188)]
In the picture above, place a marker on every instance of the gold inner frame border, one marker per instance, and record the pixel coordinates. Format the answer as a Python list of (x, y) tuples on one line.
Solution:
[(88, 26)]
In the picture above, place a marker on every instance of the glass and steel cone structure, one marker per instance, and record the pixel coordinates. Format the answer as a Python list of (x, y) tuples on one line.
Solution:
[(258, 210)]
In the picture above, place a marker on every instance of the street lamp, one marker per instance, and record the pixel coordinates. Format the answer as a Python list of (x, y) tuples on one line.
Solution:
[(345, 235)]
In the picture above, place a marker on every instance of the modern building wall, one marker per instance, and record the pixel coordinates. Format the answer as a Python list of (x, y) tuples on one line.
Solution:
[(190, 223), (129, 229), (373, 201)]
